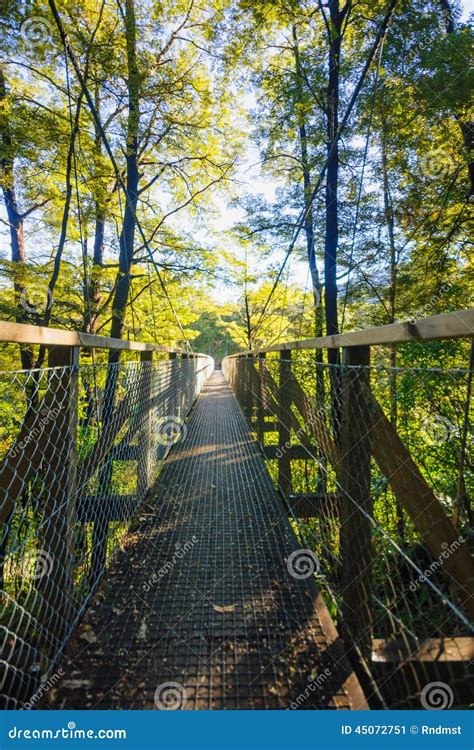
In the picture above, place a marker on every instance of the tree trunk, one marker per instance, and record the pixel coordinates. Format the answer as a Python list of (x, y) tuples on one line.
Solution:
[(15, 220), (93, 291), (309, 233), (309, 219), (122, 288), (466, 127), (45, 319), (247, 320), (332, 179), (94, 287), (390, 223), (332, 219), (127, 234)]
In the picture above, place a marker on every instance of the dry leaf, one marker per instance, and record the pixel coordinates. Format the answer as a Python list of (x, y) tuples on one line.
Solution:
[(225, 608), (76, 684)]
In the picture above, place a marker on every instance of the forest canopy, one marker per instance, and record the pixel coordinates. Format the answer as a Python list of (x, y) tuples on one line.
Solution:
[(177, 171)]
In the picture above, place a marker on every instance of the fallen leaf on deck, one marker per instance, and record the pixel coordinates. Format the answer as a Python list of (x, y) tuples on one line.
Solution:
[(76, 684), (225, 608)]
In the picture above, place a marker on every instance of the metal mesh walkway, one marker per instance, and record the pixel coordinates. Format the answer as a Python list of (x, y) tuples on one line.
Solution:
[(199, 609)]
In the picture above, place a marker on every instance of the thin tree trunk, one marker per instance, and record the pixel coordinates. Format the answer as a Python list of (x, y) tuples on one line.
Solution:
[(45, 320), (93, 291), (127, 234), (332, 218), (15, 220), (122, 288), (247, 320), (309, 218), (466, 127), (332, 179), (309, 233), (390, 223)]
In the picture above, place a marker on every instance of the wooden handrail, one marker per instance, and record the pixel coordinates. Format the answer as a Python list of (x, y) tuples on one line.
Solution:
[(452, 325), (19, 333)]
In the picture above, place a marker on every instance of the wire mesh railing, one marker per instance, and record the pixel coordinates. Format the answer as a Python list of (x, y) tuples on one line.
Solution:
[(81, 445), (374, 464)]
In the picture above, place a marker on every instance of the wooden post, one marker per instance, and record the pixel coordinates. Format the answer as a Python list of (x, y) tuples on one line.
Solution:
[(145, 431), (356, 542), (58, 527), (284, 422), (248, 393), (261, 410)]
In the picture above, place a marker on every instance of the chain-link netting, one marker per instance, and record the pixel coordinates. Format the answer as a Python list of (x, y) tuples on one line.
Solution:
[(375, 465), (80, 447)]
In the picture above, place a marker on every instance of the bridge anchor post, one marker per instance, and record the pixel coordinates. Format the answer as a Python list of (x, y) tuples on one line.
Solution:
[(58, 528), (145, 433), (261, 405), (356, 506), (284, 422)]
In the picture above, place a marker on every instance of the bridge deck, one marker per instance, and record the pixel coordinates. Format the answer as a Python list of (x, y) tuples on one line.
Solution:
[(202, 596)]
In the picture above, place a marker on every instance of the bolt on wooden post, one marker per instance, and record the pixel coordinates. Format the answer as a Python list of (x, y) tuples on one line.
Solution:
[(356, 506)]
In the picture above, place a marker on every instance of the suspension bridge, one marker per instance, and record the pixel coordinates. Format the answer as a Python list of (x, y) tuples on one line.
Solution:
[(261, 535)]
